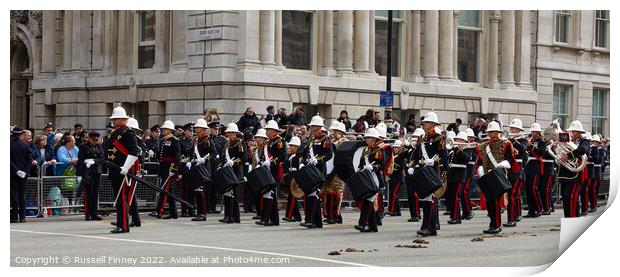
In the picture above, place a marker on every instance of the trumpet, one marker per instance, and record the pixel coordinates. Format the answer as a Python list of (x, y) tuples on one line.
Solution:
[(450, 144), (517, 136)]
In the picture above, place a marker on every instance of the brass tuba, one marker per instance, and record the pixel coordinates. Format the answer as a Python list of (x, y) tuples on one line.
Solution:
[(558, 149)]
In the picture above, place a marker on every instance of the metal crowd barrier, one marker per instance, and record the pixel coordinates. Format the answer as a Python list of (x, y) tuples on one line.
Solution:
[(38, 189)]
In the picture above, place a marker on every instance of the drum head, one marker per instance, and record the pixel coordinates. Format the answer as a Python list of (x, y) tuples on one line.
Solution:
[(357, 155)]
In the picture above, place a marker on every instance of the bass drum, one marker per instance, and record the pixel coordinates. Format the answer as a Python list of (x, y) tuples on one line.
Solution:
[(347, 158)]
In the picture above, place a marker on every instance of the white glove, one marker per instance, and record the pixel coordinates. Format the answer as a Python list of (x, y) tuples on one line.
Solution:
[(229, 163), (267, 163), (200, 161), (410, 171), (171, 174), (79, 179), (368, 167), (21, 174), (313, 161), (430, 162), (504, 164), (301, 165), (128, 164), (188, 165), (151, 154), (180, 176), (480, 171), (89, 162), (44, 163)]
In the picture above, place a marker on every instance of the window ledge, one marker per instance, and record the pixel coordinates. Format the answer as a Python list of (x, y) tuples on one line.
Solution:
[(596, 51)]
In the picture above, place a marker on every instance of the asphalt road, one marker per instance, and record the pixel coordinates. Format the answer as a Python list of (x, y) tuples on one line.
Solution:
[(70, 241)]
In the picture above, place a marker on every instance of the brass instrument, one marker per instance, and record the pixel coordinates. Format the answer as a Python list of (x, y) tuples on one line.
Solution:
[(462, 145), (558, 149), (517, 136)]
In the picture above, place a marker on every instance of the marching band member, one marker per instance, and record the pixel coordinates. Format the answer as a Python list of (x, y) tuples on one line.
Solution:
[(388, 169), (457, 170), (431, 152), (585, 180), (169, 161), (519, 143), (89, 168), (334, 188), (123, 150), (202, 151), (396, 178), (236, 157), (550, 170), (137, 169), (317, 151), (534, 169), (412, 196), (276, 155), (261, 142), (495, 153), (187, 194), (291, 165), (569, 180), (471, 171), (218, 142), (597, 157), (376, 164)]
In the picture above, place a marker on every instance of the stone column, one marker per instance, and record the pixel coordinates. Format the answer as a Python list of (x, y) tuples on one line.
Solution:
[(178, 57), (48, 53), (508, 49), (431, 44), (493, 50), (328, 43), (455, 56), (415, 47), (362, 46), (446, 45), (278, 39), (345, 42), (523, 51), (249, 39), (371, 42), (267, 38)]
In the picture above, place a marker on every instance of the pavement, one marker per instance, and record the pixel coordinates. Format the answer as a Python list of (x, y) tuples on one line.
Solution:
[(71, 241)]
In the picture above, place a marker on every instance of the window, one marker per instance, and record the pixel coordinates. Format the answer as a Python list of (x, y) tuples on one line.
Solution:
[(562, 24), (602, 27), (381, 37), (146, 39), (561, 94), (297, 39), (599, 112), (468, 45)]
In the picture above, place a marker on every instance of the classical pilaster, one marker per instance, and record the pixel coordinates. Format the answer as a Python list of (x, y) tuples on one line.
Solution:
[(522, 74), (493, 50), (431, 45), (48, 53), (328, 43), (249, 39), (361, 43), (178, 53), (415, 47), (446, 45), (267, 38), (345, 42), (508, 49)]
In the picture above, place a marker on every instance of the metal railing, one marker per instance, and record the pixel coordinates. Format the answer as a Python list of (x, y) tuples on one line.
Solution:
[(64, 198)]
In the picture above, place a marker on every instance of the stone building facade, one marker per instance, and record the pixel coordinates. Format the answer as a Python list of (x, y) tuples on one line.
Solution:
[(75, 66)]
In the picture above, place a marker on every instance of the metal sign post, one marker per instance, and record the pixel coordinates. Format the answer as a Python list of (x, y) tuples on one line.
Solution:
[(388, 85)]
